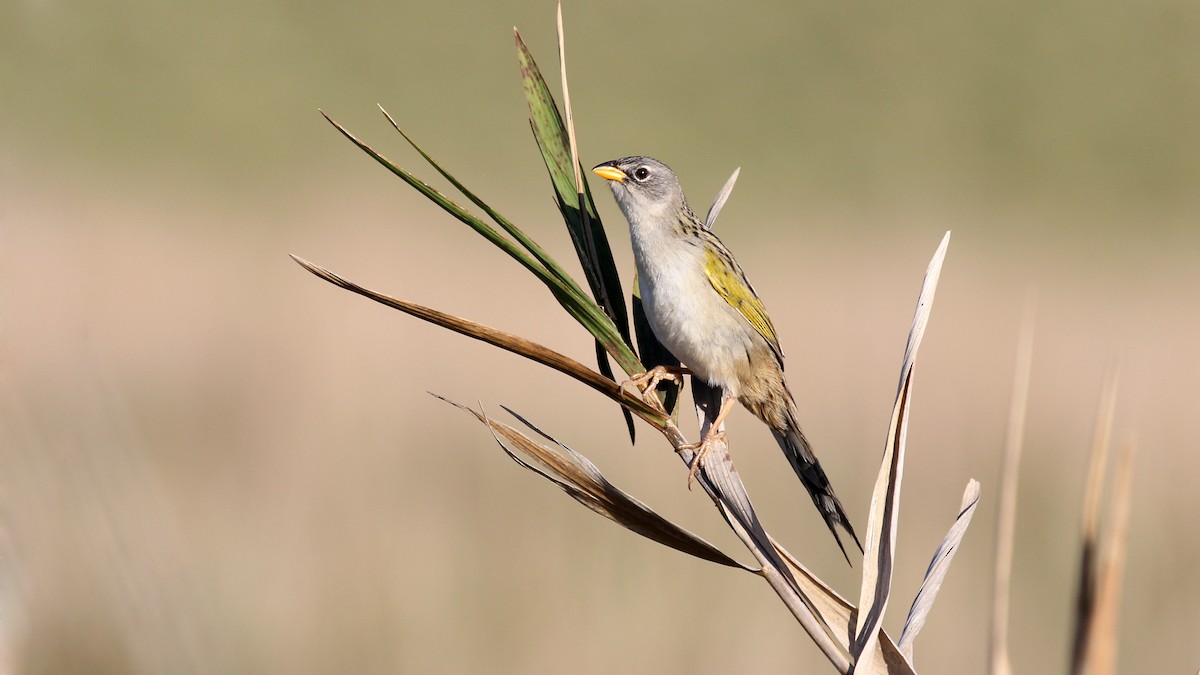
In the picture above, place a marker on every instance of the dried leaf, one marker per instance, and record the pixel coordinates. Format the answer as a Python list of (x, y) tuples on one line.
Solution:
[(936, 573), (1102, 643), (579, 478), (885, 499), (1006, 513), (1095, 645), (822, 613), (1093, 495), (507, 341), (722, 197)]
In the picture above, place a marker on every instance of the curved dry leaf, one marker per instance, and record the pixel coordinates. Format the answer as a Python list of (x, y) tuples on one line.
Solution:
[(936, 573), (577, 476), (722, 197), (506, 341), (885, 499)]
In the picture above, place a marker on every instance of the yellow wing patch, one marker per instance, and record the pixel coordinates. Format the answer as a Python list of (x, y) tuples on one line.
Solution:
[(730, 282)]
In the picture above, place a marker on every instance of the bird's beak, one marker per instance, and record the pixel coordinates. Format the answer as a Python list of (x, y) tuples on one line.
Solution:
[(609, 172)]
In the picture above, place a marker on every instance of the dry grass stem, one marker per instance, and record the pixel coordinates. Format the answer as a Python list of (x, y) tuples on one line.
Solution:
[(1093, 504), (1006, 513), (1100, 657)]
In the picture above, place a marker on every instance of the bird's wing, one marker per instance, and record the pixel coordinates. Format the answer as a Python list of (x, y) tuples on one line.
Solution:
[(730, 282)]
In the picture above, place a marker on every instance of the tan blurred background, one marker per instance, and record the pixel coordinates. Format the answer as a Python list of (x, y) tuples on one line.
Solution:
[(215, 463)]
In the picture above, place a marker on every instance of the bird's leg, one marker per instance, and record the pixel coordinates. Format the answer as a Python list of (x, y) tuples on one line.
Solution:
[(714, 432)]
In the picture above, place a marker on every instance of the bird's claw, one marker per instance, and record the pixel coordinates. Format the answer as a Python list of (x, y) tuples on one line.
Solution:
[(701, 449), (649, 380)]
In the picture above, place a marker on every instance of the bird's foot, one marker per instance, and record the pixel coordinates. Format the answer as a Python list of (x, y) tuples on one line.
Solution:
[(701, 449), (649, 380)]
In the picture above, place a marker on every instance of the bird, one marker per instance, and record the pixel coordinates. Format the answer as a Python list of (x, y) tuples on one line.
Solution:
[(702, 308)]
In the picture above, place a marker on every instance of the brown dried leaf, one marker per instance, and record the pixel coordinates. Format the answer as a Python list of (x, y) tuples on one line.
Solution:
[(506, 341), (583, 481)]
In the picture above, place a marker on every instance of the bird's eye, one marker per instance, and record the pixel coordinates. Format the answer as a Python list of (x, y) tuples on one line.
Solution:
[(642, 173)]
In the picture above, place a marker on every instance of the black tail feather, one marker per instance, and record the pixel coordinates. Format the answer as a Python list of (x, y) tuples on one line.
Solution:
[(809, 470)]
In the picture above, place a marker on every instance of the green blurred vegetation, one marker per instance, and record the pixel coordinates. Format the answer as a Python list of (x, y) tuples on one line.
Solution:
[(1064, 102)]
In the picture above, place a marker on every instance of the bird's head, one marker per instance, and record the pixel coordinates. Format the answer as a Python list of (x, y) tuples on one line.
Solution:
[(645, 188)]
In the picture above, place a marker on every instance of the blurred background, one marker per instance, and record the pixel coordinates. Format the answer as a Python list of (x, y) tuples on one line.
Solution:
[(214, 462)]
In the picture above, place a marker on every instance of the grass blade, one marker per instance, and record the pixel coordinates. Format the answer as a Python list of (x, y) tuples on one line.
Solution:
[(885, 499), (938, 567), (1093, 497), (566, 92), (1102, 642), (609, 289), (1006, 513)]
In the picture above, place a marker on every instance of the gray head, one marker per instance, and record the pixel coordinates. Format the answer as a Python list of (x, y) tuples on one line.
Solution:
[(645, 188)]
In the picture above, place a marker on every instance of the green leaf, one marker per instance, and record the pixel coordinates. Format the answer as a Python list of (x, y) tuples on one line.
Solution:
[(556, 143), (582, 308), (577, 207), (515, 232), (544, 258)]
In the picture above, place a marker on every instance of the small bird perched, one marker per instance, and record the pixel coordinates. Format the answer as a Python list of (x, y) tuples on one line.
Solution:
[(701, 307)]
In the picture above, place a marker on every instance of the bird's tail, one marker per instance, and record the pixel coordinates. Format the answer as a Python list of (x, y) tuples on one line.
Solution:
[(806, 466)]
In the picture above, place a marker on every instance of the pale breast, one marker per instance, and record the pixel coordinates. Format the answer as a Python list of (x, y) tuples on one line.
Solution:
[(690, 318)]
